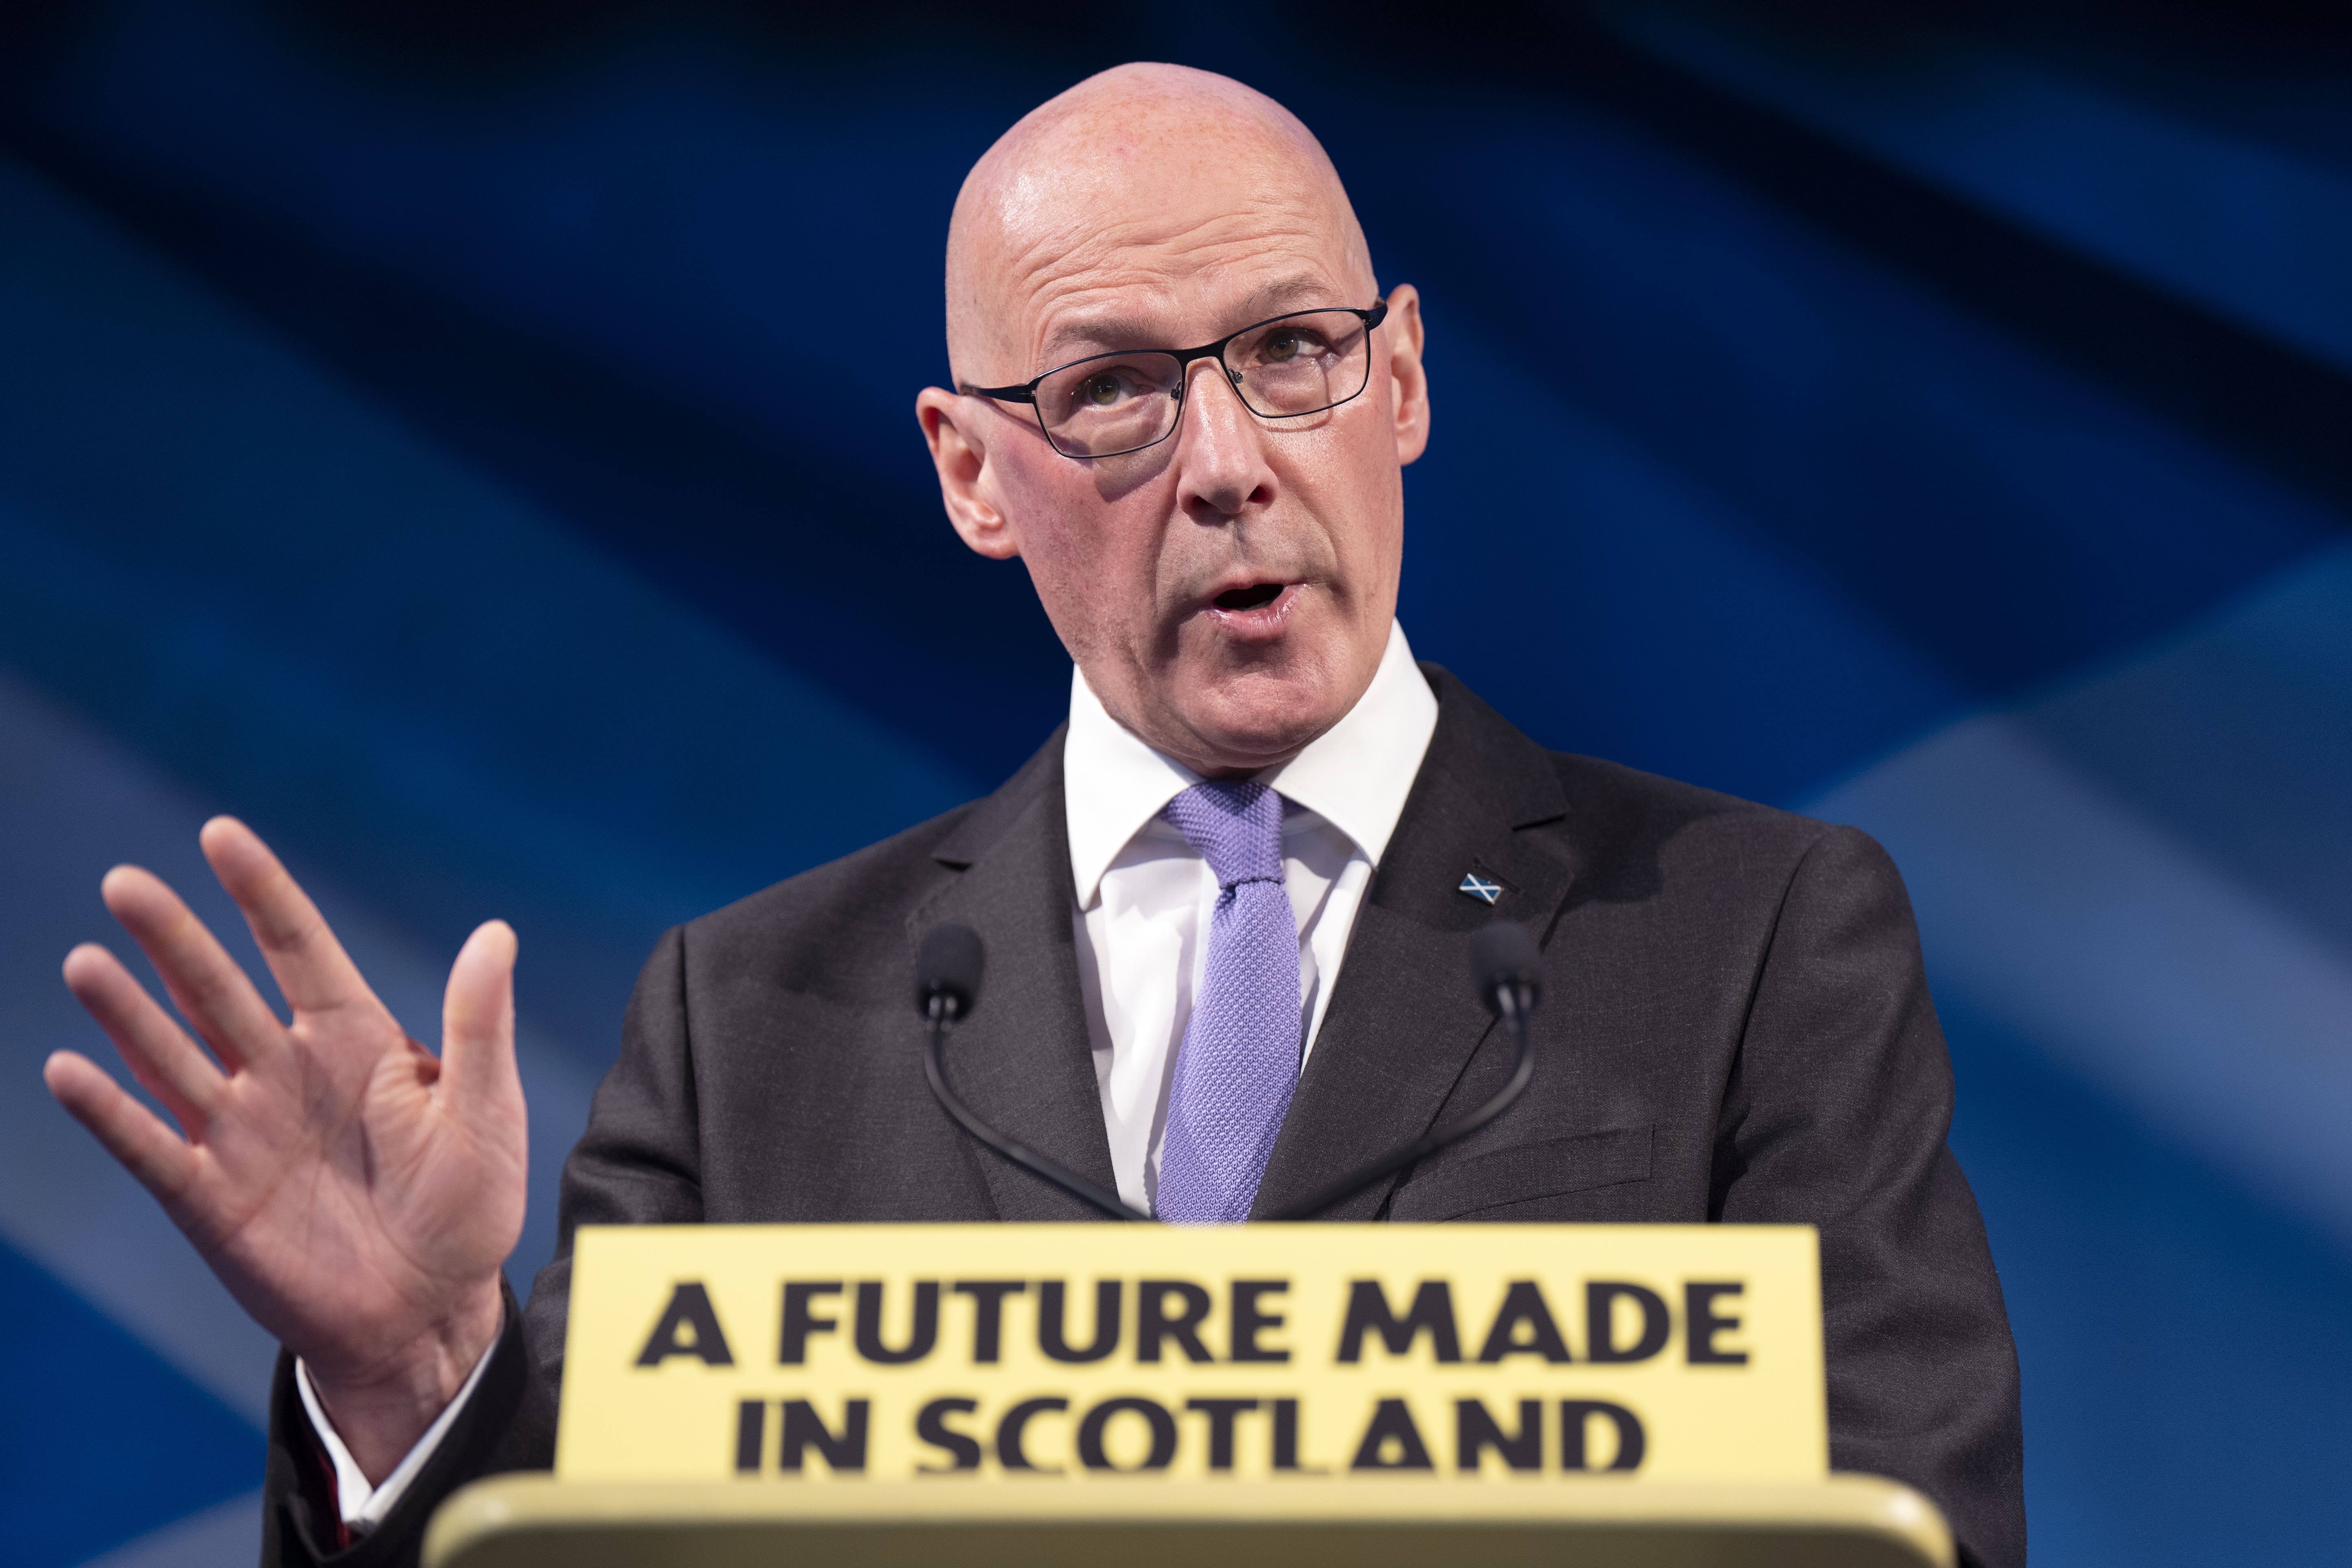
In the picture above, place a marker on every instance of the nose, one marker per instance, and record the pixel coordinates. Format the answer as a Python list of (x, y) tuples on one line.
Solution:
[(1221, 450)]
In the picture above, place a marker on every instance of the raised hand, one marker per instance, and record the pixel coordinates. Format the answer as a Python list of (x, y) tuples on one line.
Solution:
[(356, 1194)]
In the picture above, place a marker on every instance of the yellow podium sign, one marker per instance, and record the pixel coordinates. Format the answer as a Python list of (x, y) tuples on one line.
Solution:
[(1062, 1354)]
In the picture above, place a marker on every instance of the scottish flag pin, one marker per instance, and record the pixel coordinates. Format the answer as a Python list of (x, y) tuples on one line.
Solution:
[(1478, 888)]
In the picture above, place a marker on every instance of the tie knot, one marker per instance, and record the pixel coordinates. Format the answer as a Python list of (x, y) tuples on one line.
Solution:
[(1236, 825)]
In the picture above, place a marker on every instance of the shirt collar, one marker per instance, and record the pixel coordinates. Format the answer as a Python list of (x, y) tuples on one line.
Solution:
[(1355, 775)]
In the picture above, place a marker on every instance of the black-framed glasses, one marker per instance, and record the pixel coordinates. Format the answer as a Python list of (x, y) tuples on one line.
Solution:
[(1283, 368)]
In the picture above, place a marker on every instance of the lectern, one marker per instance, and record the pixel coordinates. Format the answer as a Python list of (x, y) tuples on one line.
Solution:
[(1844, 1522), (1253, 1396)]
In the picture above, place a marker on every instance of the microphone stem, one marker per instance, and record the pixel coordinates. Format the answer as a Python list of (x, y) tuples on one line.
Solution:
[(1517, 1007), (1515, 1004), (935, 1069)]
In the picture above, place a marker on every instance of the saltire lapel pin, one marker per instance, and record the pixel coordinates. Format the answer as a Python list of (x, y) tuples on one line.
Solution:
[(1478, 888)]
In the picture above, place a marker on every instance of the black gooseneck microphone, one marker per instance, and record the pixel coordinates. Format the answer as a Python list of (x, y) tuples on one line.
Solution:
[(947, 984), (1503, 966), (1506, 968)]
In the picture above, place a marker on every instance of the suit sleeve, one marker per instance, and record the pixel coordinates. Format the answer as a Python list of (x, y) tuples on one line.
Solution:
[(638, 1163), (1836, 1115)]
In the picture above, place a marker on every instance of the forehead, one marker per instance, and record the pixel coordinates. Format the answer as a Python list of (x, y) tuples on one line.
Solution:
[(1170, 245)]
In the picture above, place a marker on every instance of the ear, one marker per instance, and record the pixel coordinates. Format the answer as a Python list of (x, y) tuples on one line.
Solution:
[(1408, 380), (954, 427)]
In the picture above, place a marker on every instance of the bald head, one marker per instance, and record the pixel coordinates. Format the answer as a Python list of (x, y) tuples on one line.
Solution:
[(1227, 589), (1124, 182)]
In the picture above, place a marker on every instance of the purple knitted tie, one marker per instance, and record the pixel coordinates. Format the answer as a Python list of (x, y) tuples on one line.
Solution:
[(1239, 1060)]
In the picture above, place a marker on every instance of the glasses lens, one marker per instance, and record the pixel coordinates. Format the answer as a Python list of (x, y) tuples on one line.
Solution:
[(1303, 364), (1111, 404)]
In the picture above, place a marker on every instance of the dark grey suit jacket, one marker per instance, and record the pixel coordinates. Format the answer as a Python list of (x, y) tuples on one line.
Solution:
[(1735, 1027)]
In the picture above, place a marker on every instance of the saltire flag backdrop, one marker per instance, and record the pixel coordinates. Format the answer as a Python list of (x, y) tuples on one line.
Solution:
[(475, 444)]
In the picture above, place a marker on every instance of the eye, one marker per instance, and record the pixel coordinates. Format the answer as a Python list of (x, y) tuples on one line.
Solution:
[(1285, 345), (1102, 389)]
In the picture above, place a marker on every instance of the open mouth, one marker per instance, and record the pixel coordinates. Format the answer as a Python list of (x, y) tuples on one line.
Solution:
[(1257, 596)]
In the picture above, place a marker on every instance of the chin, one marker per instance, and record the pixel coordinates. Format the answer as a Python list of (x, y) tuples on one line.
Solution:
[(1256, 718)]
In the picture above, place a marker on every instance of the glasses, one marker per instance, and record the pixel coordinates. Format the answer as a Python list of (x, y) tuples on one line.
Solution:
[(1109, 405)]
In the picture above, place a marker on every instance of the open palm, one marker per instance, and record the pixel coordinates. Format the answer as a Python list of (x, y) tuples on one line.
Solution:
[(356, 1194)]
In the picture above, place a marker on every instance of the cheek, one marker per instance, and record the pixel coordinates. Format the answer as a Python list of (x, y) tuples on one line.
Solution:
[(1355, 485), (1092, 562)]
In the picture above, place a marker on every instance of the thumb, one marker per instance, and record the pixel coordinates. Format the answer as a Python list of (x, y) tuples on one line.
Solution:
[(477, 1022)]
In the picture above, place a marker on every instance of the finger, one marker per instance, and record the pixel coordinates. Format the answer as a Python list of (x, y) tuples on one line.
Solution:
[(312, 969), (159, 1053), (163, 1162), (477, 1030), (211, 992)]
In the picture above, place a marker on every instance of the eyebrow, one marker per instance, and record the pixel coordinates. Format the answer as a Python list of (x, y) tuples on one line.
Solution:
[(1113, 329)]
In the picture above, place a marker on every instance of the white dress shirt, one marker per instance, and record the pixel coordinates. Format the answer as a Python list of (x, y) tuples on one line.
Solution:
[(1143, 894), (1141, 900), (363, 1503)]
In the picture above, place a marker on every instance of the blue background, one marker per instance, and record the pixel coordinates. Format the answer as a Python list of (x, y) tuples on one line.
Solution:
[(473, 443)]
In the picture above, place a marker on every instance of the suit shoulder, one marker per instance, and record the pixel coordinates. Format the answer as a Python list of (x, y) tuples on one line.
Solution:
[(876, 887), (1611, 804), (844, 903)]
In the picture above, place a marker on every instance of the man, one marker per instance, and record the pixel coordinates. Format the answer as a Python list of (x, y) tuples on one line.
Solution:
[(1258, 797)]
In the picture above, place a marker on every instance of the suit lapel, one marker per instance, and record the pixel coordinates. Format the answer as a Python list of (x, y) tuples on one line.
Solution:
[(1402, 1023), (1023, 1060)]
